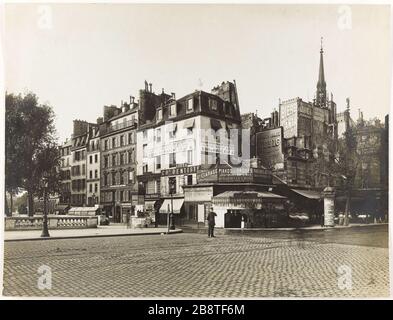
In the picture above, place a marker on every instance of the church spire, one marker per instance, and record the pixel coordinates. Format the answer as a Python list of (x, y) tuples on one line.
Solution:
[(321, 85)]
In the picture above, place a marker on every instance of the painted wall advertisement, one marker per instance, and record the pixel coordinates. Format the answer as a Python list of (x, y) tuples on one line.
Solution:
[(269, 147)]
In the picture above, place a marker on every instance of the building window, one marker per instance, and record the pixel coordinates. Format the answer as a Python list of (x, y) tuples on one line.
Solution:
[(131, 176), (159, 114), (151, 187), (158, 135), (90, 187), (106, 162), (158, 162), (145, 151), (113, 142), (91, 159), (172, 160), (96, 174), (158, 185), (121, 196), (105, 179), (189, 180), (213, 104), (121, 178), (91, 174), (129, 156), (113, 160), (83, 169), (189, 157), (130, 138), (144, 134), (106, 144), (121, 141), (172, 185), (190, 105), (172, 110), (96, 158), (121, 158)]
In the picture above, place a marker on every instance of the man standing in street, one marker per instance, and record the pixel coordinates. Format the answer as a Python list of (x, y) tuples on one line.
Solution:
[(211, 221)]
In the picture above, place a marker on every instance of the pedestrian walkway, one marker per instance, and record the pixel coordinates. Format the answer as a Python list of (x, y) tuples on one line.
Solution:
[(101, 231)]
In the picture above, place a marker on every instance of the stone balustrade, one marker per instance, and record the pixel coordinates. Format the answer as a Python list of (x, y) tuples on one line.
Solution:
[(54, 222)]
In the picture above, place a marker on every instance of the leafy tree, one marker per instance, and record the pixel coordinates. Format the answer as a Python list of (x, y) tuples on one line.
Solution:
[(346, 165), (31, 151)]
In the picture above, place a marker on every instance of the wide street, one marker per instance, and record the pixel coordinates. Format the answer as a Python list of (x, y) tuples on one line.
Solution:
[(276, 264)]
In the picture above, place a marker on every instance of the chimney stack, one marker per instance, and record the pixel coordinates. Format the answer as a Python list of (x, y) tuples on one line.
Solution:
[(151, 87), (131, 99), (173, 95)]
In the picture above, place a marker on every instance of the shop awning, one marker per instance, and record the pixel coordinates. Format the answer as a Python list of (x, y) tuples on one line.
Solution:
[(310, 194), (189, 123), (245, 199), (215, 124), (248, 194), (166, 206)]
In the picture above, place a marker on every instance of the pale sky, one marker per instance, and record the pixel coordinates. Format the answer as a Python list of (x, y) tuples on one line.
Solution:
[(82, 57)]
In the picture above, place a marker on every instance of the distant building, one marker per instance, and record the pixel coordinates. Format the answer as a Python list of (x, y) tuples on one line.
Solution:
[(78, 167), (119, 188), (65, 173), (93, 167), (371, 181)]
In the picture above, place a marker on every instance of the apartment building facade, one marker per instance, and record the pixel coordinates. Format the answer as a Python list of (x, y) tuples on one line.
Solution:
[(93, 168), (119, 188)]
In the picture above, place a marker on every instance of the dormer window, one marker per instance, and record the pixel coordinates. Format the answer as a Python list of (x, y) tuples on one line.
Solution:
[(159, 114), (190, 105), (213, 104), (172, 110)]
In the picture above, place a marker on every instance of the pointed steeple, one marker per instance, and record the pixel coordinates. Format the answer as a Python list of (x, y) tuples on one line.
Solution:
[(321, 85)]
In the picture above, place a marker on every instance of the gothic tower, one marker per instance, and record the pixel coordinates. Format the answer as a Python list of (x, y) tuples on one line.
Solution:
[(321, 85)]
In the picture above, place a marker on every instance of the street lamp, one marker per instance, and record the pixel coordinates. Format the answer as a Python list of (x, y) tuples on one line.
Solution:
[(172, 190), (45, 231)]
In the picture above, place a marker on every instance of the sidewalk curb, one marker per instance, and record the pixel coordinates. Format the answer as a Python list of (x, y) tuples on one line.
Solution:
[(96, 236), (310, 229), (223, 231)]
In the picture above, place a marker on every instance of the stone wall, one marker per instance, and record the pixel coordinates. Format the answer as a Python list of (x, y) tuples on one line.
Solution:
[(54, 222)]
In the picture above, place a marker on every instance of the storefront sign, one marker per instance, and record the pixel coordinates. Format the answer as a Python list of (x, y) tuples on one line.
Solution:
[(180, 171), (231, 175)]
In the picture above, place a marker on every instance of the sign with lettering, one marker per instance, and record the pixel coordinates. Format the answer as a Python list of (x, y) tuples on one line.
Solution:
[(269, 147), (180, 171), (235, 175)]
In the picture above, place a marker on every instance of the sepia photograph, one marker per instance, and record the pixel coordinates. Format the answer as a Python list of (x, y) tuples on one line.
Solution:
[(195, 151)]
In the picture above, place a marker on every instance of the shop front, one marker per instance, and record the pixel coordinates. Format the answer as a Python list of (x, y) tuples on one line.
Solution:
[(172, 205), (249, 209)]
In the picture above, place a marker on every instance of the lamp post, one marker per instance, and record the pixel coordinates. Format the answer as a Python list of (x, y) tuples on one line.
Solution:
[(172, 190), (45, 231)]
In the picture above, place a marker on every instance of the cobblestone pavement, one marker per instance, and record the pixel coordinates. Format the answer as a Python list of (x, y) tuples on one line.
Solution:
[(192, 265)]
